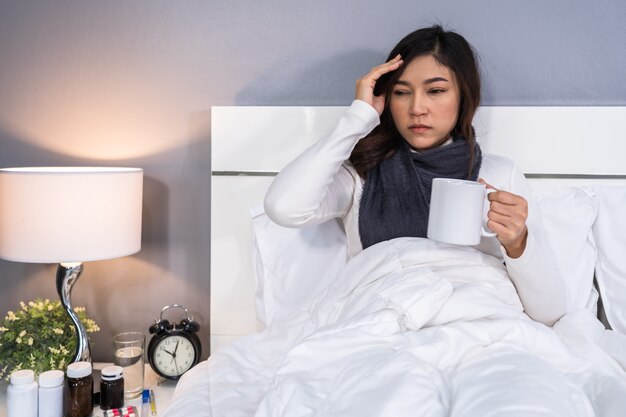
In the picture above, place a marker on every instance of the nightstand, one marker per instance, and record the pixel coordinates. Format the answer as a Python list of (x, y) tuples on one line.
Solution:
[(162, 393)]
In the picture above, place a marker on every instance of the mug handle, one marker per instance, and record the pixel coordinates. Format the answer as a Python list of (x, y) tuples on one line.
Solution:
[(483, 230)]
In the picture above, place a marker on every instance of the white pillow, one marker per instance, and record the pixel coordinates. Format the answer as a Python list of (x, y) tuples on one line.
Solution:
[(610, 234), (568, 214), (293, 265)]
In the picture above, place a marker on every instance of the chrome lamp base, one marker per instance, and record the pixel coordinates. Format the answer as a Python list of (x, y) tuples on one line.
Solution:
[(67, 275)]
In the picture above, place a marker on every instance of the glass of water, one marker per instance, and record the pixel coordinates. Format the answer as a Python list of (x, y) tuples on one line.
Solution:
[(129, 348)]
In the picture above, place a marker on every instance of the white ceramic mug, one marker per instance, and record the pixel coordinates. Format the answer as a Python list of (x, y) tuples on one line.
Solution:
[(456, 211)]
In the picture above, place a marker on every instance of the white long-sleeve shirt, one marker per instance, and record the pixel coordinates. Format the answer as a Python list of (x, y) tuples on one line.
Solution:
[(321, 184)]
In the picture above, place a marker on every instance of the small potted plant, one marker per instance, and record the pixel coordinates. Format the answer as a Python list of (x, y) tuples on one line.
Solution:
[(39, 336)]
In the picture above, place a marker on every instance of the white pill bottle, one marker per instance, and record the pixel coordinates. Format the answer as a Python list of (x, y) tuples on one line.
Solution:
[(51, 394), (22, 394)]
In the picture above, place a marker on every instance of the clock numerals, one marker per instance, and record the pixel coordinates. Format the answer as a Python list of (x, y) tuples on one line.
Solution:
[(174, 355)]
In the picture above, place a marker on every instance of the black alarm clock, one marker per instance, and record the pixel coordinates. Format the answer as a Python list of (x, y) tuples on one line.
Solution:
[(174, 348)]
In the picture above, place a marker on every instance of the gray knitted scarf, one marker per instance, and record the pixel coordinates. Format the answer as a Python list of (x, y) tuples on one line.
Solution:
[(396, 194)]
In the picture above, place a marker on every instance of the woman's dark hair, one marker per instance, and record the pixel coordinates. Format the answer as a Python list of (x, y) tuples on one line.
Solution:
[(448, 49)]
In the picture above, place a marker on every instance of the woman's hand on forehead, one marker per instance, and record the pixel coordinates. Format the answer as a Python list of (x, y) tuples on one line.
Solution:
[(365, 85)]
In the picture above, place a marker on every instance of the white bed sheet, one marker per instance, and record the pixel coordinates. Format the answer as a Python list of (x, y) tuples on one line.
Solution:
[(411, 327)]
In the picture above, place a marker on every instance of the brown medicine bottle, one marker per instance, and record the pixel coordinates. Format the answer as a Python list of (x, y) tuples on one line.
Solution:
[(112, 387), (77, 395)]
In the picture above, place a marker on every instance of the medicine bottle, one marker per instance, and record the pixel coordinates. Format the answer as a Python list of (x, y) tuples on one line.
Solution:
[(51, 394), (112, 387), (22, 394), (77, 395)]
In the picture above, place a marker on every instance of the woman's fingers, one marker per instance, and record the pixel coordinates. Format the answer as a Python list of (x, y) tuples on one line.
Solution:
[(503, 204), (365, 85), (388, 66), (507, 216), (506, 198), (514, 224)]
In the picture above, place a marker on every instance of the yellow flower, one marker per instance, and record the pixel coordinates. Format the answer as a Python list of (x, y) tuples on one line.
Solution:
[(91, 325), (18, 343)]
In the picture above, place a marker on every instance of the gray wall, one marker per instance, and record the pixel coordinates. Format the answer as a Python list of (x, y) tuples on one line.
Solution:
[(132, 83)]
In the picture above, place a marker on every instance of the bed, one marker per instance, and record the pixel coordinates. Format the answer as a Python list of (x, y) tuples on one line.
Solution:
[(296, 330)]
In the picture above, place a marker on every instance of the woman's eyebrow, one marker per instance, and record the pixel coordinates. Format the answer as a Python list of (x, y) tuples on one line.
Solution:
[(402, 82), (427, 81), (434, 80)]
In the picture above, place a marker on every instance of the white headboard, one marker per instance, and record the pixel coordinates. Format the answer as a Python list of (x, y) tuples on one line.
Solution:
[(553, 145)]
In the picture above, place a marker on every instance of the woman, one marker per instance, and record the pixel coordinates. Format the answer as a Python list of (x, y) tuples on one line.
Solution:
[(411, 121)]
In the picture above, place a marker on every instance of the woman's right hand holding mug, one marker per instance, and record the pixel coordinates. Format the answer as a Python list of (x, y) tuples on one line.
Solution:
[(365, 85)]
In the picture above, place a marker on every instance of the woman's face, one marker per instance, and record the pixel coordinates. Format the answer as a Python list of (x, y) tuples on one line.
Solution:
[(424, 103)]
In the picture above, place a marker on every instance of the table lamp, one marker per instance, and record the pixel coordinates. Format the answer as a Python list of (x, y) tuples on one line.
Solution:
[(68, 215)]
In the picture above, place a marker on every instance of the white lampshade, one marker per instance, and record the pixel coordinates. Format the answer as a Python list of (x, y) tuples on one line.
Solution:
[(69, 214)]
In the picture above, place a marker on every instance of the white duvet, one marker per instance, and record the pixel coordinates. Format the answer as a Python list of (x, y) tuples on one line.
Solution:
[(410, 328)]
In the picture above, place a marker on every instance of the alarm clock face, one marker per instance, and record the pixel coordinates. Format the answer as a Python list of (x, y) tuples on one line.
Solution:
[(174, 355)]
